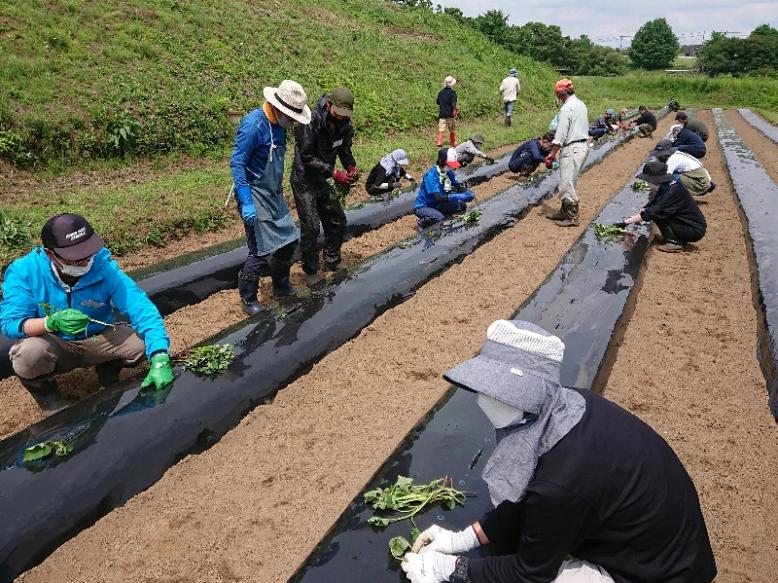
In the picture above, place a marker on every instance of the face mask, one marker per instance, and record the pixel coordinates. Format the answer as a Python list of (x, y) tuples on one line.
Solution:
[(285, 122), (500, 414), (75, 270)]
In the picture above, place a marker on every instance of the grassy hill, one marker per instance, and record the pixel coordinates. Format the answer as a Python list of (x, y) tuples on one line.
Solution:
[(103, 78)]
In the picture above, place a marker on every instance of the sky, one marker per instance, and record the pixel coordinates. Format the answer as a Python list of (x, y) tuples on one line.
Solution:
[(603, 21)]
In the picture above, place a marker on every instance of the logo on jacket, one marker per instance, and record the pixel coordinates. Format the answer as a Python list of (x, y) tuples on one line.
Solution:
[(92, 304)]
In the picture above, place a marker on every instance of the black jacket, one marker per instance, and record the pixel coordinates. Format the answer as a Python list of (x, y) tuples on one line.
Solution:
[(646, 117), (689, 138), (317, 148), (378, 176), (699, 128), (612, 492), (674, 203), (447, 101)]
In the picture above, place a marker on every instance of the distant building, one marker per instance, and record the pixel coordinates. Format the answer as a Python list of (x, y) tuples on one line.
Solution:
[(690, 50)]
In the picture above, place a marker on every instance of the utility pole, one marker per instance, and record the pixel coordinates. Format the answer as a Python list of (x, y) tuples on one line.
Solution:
[(621, 40)]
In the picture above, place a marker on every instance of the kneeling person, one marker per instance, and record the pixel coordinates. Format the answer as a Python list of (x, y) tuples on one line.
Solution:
[(385, 176), (58, 301), (440, 194), (468, 150), (530, 154), (689, 170)]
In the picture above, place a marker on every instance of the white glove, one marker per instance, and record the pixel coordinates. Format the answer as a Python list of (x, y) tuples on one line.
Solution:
[(409, 177), (428, 568), (383, 186), (445, 541)]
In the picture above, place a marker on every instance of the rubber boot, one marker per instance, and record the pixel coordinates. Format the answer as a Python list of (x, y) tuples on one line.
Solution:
[(570, 212), (507, 121), (248, 288), (108, 372), (46, 394), (281, 286), (440, 139), (452, 137), (558, 215)]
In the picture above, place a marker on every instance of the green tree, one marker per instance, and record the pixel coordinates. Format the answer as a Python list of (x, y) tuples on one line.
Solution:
[(654, 45), (544, 43), (763, 30)]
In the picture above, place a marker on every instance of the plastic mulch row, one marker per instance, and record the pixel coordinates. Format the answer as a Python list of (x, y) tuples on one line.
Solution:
[(586, 301), (757, 194), (766, 128), (45, 503)]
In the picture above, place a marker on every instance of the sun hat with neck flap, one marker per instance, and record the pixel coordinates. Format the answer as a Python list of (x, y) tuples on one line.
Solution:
[(290, 98)]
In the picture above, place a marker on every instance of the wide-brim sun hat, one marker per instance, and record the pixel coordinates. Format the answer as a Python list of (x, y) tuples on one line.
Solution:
[(401, 158), (663, 149), (517, 362), (477, 138), (291, 99), (449, 81), (655, 172)]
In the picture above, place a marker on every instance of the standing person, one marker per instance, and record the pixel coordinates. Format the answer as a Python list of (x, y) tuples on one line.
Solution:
[(646, 122), (469, 149), (602, 125), (385, 176), (688, 169), (530, 154), (583, 491), (257, 165), (447, 112), (319, 145), (570, 143), (672, 209), (58, 303), (695, 125), (441, 194), (509, 89)]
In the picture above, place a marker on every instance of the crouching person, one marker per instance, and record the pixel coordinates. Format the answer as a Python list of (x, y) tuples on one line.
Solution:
[(530, 154), (385, 176), (440, 194), (583, 491), (58, 301), (672, 209)]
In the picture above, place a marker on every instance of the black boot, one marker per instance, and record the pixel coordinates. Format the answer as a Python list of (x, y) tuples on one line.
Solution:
[(46, 394), (108, 372), (570, 213), (248, 286), (558, 215), (507, 121), (281, 286)]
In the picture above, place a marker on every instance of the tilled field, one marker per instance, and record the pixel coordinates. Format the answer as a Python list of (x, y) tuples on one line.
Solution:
[(253, 506)]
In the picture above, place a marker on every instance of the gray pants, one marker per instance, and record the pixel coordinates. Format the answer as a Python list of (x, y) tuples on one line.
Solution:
[(43, 356), (571, 159)]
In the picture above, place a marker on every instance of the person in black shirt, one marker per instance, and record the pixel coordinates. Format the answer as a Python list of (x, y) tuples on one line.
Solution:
[(646, 122), (385, 176), (573, 475), (672, 209), (695, 125), (447, 104), (690, 142)]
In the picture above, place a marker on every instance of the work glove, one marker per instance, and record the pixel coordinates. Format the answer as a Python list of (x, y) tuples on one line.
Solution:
[(247, 210), (394, 185), (160, 374), (549, 161), (353, 174), (466, 196), (69, 321), (445, 541), (409, 177), (432, 567), (341, 178)]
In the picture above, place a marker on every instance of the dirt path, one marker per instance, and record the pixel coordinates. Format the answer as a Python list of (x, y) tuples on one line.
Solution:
[(252, 507), (687, 366), (193, 324), (764, 149)]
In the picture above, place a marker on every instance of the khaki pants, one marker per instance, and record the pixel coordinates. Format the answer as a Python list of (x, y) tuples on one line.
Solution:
[(447, 123), (571, 159), (646, 130), (47, 355), (697, 182)]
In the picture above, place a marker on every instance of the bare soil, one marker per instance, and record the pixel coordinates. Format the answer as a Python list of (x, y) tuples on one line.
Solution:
[(687, 366), (251, 507), (764, 149)]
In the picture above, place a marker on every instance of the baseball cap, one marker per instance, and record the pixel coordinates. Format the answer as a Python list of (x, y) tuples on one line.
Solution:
[(563, 84), (452, 158), (71, 237), (342, 101)]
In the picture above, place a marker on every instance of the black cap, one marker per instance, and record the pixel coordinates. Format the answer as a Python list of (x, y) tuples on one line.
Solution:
[(71, 237), (663, 149), (655, 172)]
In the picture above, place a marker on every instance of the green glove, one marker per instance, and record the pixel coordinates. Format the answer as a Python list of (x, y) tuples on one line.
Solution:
[(69, 321), (161, 374)]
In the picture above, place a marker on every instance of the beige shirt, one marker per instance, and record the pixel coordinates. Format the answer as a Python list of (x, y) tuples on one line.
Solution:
[(510, 88), (573, 122)]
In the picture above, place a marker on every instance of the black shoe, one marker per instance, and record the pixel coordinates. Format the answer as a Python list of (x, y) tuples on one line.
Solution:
[(251, 308), (712, 186)]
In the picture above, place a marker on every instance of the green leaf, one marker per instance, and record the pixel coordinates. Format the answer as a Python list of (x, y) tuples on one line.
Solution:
[(378, 521), (210, 359), (415, 532), (37, 452), (398, 546), (61, 448)]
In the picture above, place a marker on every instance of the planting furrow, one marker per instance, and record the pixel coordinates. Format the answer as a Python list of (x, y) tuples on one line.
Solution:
[(270, 353), (757, 194), (584, 302), (765, 127), (324, 435)]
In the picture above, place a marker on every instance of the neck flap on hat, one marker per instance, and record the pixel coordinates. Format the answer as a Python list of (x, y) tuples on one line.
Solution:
[(389, 162), (512, 465)]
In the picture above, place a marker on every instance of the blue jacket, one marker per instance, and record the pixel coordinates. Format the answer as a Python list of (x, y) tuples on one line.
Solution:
[(252, 146), (431, 185), (30, 284), (688, 138)]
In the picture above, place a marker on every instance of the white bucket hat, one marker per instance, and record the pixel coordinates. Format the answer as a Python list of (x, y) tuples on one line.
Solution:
[(449, 81), (291, 99)]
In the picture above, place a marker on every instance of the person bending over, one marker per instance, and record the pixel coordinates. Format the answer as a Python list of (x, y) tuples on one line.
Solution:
[(685, 167), (645, 122), (441, 194), (385, 176), (529, 155), (469, 149), (602, 125)]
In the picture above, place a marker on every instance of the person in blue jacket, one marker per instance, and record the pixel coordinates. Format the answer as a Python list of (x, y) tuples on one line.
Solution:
[(59, 302), (529, 155), (691, 143), (441, 194), (257, 165)]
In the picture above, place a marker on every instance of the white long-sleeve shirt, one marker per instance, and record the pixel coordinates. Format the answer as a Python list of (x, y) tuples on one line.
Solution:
[(573, 122), (510, 88)]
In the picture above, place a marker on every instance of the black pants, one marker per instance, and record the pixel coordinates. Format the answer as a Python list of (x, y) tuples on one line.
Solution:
[(316, 204), (681, 232), (696, 151), (276, 264), (597, 132), (522, 163)]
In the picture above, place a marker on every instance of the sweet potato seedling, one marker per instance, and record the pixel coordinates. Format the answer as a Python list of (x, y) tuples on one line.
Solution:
[(45, 449), (210, 359), (471, 217), (641, 185), (407, 499), (607, 233)]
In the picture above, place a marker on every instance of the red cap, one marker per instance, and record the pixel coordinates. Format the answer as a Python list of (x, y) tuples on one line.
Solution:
[(563, 84), (451, 159)]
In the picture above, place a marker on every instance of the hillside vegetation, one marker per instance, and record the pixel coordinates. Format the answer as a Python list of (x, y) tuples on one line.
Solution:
[(103, 78)]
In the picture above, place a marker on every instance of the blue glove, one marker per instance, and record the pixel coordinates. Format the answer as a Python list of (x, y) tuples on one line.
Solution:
[(247, 210), (466, 196)]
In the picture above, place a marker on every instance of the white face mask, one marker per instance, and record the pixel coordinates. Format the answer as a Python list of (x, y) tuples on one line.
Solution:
[(285, 122), (500, 414), (75, 270)]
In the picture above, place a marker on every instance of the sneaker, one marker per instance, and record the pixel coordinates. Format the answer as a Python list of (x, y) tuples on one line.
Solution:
[(670, 247)]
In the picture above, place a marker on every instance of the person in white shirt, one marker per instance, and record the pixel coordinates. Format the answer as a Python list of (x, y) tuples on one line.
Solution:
[(509, 88), (692, 174), (570, 144)]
